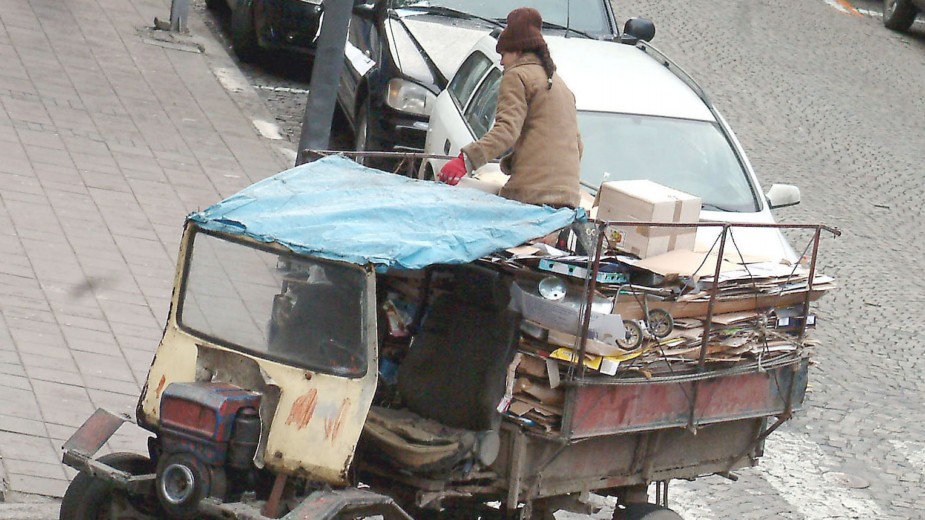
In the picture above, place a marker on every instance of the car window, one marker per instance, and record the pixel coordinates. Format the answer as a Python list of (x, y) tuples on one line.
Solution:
[(692, 156), (582, 15), (480, 114), (467, 77)]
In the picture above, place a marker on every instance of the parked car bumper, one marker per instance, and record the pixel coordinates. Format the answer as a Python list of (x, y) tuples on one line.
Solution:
[(402, 132)]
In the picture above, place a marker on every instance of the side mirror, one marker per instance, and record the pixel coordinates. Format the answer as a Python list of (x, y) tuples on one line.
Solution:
[(783, 195), (637, 29)]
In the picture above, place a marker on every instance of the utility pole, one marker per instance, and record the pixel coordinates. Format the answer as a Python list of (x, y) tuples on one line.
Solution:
[(326, 71)]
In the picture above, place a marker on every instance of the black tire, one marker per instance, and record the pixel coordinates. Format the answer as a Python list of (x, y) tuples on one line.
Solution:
[(89, 498), (428, 174), (362, 141), (898, 15), (243, 33), (649, 512)]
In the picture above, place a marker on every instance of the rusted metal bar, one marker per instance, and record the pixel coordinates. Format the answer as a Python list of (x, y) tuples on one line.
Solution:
[(706, 327), (589, 300), (271, 508), (834, 231), (374, 154), (809, 289)]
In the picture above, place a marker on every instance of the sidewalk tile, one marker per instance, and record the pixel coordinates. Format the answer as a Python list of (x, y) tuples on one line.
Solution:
[(29, 448), (13, 424)]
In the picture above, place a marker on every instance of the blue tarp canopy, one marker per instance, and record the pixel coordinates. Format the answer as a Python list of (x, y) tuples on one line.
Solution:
[(336, 209)]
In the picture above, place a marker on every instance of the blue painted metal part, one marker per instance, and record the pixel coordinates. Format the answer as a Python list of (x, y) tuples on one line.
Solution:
[(198, 417)]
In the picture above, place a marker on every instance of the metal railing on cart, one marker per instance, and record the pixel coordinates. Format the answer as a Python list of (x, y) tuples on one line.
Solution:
[(596, 242)]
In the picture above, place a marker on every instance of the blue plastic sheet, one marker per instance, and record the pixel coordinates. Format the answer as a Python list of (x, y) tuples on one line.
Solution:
[(339, 210)]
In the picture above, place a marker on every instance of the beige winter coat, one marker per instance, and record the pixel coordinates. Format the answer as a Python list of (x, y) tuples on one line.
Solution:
[(541, 124)]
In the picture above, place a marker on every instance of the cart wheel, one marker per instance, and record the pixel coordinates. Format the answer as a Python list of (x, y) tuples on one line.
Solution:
[(91, 498), (646, 512), (660, 323), (633, 336)]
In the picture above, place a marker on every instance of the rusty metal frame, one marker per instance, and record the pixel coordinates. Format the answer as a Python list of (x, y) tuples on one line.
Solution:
[(405, 160), (726, 226)]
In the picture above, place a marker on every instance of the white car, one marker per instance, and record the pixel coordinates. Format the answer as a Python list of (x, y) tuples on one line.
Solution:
[(640, 116)]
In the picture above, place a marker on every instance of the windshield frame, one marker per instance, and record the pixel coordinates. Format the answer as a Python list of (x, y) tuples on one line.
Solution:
[(363, 350)]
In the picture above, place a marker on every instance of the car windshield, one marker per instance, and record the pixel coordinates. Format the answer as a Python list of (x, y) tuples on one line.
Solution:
[(294, 310), (588, 16), (692, 156)]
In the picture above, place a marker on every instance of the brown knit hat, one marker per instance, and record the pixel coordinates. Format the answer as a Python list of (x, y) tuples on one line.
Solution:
[(523, 31)]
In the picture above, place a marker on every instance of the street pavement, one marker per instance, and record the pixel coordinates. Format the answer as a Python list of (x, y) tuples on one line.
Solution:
[(110, 136), (110, 133)]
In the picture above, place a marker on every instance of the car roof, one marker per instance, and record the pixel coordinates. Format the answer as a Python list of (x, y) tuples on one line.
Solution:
[(615, 77)]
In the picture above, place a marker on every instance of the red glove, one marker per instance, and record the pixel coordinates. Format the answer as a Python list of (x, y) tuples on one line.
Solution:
[(453, 170)]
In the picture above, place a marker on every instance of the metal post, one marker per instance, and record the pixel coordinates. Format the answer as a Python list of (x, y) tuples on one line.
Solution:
[(695, 386), (179, 9), (326, 72)]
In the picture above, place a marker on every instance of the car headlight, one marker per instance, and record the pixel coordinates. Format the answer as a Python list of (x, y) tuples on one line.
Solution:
[(407, 96)]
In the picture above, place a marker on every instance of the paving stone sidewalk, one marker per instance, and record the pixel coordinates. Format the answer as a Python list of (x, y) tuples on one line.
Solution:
[(109, 136)]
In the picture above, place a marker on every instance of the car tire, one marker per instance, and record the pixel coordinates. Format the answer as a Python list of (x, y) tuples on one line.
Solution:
[(243, 33), (362, 141), (898, 15), (365, 140), (427, 173), (90, 497)]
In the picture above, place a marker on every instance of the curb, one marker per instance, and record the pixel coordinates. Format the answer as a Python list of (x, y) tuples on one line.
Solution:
[(242, 93)]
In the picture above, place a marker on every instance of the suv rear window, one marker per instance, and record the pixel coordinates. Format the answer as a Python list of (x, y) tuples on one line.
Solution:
[(480, 114), (467, 78)]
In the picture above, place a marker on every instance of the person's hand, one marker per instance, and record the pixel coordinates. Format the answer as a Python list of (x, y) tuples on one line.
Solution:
[(453, 170)]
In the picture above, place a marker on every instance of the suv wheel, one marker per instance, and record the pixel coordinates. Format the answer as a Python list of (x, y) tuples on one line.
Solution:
[(243, 33), (898, 15)]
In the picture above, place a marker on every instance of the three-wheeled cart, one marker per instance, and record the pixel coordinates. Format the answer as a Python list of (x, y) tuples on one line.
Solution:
[(291, 382)]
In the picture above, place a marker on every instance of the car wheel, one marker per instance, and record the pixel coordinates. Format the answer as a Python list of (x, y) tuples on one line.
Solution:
[(898, 15), (243, 34), (88, 497), (362, 141), (428, 172)]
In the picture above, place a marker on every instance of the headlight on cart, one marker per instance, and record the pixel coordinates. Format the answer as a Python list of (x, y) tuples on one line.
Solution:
[(407, 96)]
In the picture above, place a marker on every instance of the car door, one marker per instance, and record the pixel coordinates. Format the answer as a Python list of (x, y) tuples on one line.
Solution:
[(448, 130)]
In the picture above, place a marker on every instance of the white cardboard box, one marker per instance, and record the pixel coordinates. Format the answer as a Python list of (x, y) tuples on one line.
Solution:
[(648, 201)]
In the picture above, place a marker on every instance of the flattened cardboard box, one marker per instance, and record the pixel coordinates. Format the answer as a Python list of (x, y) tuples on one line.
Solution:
[(647, 201)]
